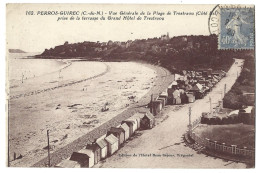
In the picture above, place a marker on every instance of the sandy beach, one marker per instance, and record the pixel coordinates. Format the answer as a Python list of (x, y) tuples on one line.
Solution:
[(72, 109), (70, 104)]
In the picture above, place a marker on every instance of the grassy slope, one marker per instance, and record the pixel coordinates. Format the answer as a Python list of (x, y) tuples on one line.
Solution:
[(234, 134)]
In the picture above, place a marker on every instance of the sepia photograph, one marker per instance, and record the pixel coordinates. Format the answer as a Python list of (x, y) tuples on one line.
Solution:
[(130, 86)]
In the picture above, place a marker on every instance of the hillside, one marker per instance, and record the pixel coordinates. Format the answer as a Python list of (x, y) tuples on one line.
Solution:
[(175, 54)]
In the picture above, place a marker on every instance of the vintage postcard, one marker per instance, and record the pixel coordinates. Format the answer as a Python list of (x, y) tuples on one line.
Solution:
[(130, 85)]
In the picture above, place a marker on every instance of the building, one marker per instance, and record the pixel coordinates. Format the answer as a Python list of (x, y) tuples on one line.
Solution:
[(173, 85), (219, 73), (178, 101), (147, 122), (163, 100), (218, 78), (125, 127), (138, 116), (132, 126), (165, 96), (112, 144), (198, 91), (84, 157), (68, 164), (165, 37), (103, 147), (156, 107), (191, 97), (119, 133), (176, 97), (209, 84), (96, 150), (184, 98), (170, 95), (176, 94)]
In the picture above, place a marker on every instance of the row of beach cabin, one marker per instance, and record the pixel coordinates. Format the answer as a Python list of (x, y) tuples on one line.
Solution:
[(109, 143), (186, 89)]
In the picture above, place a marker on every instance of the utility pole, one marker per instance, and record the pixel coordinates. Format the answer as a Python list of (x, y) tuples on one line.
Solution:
[(151, 104), (8, 142), (225, 89), (210, 106), (49, 160), (189, 119)]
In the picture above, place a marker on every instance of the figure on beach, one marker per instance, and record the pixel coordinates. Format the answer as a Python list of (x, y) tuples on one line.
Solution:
[(235, 25)]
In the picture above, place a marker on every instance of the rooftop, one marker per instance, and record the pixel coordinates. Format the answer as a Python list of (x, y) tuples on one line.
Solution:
[(111, 139)]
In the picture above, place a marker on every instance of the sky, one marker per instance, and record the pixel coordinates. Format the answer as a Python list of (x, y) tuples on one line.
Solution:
[(34, 33)]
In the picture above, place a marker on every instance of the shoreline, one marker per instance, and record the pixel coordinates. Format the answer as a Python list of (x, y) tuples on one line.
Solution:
[(164, 78), (144, 79), (69, 63), (66, 63)]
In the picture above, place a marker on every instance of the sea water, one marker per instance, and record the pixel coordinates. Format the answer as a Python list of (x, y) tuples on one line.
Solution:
[(22, 66)]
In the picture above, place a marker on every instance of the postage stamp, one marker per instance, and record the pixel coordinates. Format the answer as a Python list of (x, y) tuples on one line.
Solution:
[(237, 29)]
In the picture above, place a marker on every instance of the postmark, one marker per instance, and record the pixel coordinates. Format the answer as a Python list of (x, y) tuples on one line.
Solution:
[(236, 27), (213, 21)]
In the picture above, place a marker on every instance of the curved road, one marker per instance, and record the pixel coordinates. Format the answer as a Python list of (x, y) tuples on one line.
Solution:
[(163, 147)]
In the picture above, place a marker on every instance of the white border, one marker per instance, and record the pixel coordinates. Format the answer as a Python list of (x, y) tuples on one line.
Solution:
[(3, 167)]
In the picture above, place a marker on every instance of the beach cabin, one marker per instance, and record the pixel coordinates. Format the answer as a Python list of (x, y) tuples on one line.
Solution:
[(165, 96), (184, 98), (219, 73), (132, 126), (173, 85), (68, 164), (138, 116), (84, 157), (112, 144), (176, 94), (119, 133), (170, 95), (156, 107), (188, 87), (176, 97), (181, 79), (197, 90), (216, 78), (209, 85), (191, 97), (96, 150), (147, 122), (163, 100), (103, 148), (161, 103), (178, 101), (125, 127), (206, 89)]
